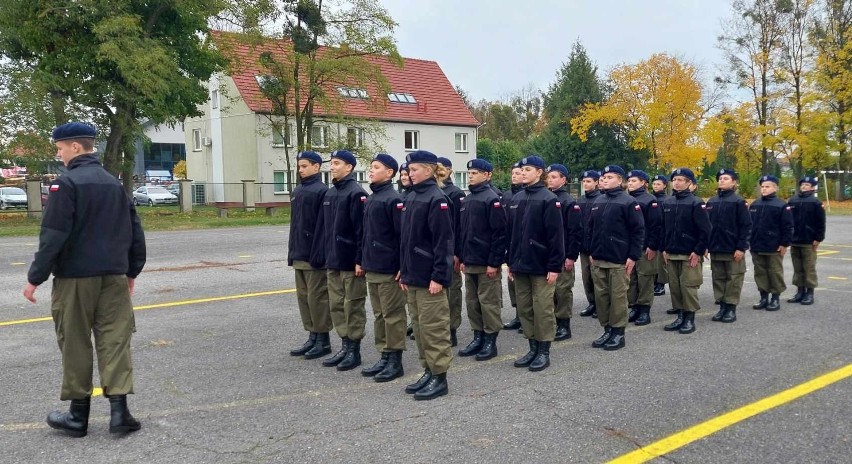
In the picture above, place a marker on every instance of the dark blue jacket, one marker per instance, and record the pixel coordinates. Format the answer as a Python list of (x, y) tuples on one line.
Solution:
[(482, 238), (90, 227), (305, 203), (426, 241), (686, 224), (380, 246), (652, 213), (616, 226), (772, 224), (572, 223), (535, 221), (808, 218), (585, 203), (341, 225), (456, 196), (731, 223)]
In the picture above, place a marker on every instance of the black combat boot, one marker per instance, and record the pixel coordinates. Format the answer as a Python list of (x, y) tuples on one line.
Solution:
[(723, 308), (633, 313), (322, 347), (454, 339), (600, 341), (808, 297), (659, 289), (774, 304), (688, 325), (474, 346), (677, 322), (393, 368), (542, 357), (591, 309), (335, 360), (616, 341), (764, 301), (421, 382), (120, 420), (797, 298), (525, 360), (75, 422), (644, 316), (376, 368), (514, 324), (489, 347), (305, 347), (436, 387), (730, 313), (352, 358), (563, 329)]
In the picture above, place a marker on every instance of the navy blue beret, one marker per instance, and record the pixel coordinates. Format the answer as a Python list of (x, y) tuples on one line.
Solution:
[(559, 168), (345, 156), (421, 156), (729, 172), (662, 178), (613, 168), (591, 174), (684, 172), (445, 161), (387, 160), (532, 160), (768, 178), (480, 165), (638, 173), (74, 130), (516, 165), (403, 167), (311, 156), (813, 180)]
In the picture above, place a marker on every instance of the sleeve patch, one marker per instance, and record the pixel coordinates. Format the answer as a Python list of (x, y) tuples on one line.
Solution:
[(497, 204), (637, 208), (363, 199), (444, 206), (787, 208), (703, 206), (576, 207), (54, 188), (558, 204), (654, 204), (399, 205)]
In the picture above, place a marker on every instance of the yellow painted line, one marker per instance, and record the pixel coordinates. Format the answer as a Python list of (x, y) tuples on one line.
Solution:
[(837, 278), (169, 304), (18, 264), (827, 252), (704, 429), (245, 256)]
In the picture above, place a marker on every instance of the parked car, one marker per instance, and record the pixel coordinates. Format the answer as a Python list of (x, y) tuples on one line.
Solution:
[(174, 189), (12, 197), (153, 195)]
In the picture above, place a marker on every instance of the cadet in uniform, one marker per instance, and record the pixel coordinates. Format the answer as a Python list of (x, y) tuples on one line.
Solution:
[(729, 240), (482, 246), (426, 268), (506, 200), (536, 257), (591, 193), (572, 226), (640, 296), (617, 233), (380, 260), (92, 241), (771, 234), (339, 233), (808, 232), (659, 184), (454, 293), (311, 283), (687, 234)]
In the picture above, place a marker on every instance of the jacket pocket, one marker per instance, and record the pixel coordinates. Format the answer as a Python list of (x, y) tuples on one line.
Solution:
[(538, 245), (381, 245), (424, 253), (344, 240)]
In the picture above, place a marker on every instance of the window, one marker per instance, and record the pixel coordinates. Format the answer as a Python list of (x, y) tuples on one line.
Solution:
[(214, 99), (412, 140), (196, 139), (350, 92), (460, 179), (280, 135), (354, 137), (280, 179), (461, 142), (326, 178), (361, 177), (397, 97), (319, 136)]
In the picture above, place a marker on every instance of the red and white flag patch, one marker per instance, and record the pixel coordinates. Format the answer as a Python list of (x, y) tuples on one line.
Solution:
[(54, 188), (655, 204), (788, 208), (558, 204), (637, 208), (363, 199), (576, 207), (444, 206), (399, 205), (703, 206), (497, 204)]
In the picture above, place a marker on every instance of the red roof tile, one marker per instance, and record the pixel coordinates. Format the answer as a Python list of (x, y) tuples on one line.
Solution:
[(437, 100)]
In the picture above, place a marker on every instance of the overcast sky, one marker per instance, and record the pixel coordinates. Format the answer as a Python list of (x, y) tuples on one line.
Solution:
[(492, 48)]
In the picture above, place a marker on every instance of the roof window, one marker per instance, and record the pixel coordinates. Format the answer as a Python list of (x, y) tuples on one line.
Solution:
[(350, 92), (397, 97)]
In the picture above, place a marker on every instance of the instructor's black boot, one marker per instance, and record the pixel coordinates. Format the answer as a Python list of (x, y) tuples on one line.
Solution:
[(774, 304), (542, 357), (352, 358), (600, 341), (421, 382), (376, 368), (688, 325), (75, 422), (305, 347), (797, 298), (120, 420), (335, 360), (723, 308), (514, 324), (454, 339), (563, 330), (659, 289), (764, 301), (436, 387), (644, 316), (525, 360), (616, 341), (730, 314), (633, 313), (489, 347), (393, 369), (474, 346), (676, 324), (591, 309), (808, 297), (322, 347)]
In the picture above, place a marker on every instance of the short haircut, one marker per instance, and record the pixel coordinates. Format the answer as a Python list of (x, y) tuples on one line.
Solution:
[(87, 143)]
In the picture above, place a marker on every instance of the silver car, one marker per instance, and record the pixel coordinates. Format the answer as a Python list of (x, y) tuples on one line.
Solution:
[(12, 197), (153, 195)]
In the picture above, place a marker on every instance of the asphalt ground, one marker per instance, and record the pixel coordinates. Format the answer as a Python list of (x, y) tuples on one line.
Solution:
[(214, 382)]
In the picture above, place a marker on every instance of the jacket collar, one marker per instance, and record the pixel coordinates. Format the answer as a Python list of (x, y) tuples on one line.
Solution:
[(84, 160), (424, 186), (638, 192), (479, 187), (376, 188)]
